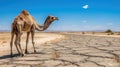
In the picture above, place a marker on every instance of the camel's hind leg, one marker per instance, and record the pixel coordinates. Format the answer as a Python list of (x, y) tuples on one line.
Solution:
[(13, 32), (16, 43), (12, 37), (19, 40), (19, 28), (32, 35), (11, 44), (27, 40)]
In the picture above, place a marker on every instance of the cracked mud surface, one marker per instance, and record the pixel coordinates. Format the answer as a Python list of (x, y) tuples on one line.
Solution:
[(75, 51)]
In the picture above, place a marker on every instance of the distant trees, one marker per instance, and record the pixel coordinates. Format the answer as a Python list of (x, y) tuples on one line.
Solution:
[(109, 32)]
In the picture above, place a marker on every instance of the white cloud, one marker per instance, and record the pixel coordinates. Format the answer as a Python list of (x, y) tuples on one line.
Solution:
[(84, 21), (110, 24), (85, 6)]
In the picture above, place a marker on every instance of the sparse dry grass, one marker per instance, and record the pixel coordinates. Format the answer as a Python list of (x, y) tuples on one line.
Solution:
[(116, 59)]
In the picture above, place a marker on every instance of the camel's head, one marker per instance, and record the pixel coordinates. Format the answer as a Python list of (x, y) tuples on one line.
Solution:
[(25, 12), (49, 20), (52, 18)]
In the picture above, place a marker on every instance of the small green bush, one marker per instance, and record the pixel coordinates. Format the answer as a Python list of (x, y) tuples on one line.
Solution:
[(109, 32)]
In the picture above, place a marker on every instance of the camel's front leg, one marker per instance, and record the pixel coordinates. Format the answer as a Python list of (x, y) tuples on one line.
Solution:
[(27, 40)]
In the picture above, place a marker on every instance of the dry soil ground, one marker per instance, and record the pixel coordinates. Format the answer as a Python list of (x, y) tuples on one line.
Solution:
[(73, 50)]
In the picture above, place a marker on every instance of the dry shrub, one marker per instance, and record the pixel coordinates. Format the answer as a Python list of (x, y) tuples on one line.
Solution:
[(93, 32), (118, 34), (83, 32), (4, 42), (36, 65), (116, 59), (54, 55)]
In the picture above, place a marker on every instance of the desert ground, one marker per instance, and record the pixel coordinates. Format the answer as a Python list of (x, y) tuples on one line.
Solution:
[(64, 49)]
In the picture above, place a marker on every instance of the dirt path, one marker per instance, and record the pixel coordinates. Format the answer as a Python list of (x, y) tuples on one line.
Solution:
[(75, 51)]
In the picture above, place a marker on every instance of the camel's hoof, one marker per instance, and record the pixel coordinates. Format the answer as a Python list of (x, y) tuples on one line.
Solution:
[(35, 51), (22, 55), (11, 54), (26, 52)]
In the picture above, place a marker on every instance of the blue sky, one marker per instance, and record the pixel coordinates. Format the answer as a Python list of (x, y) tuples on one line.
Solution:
[(74, 15)]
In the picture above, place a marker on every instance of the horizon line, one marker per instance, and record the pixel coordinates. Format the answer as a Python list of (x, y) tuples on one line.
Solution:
[(66, 31)]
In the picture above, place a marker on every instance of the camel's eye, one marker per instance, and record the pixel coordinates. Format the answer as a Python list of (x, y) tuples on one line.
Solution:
[(52, 17)]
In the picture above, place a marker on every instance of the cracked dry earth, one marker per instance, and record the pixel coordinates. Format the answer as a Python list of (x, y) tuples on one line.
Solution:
[(75, 51)]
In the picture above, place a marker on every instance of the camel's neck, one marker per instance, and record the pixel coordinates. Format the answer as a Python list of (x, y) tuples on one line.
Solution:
[(44, 26), (47, 23)]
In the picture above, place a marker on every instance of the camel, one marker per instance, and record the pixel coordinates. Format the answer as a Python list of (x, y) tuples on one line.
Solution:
[(25, 22)]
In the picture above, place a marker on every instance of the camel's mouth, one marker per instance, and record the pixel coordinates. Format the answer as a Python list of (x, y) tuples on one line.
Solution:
[(57, 18)]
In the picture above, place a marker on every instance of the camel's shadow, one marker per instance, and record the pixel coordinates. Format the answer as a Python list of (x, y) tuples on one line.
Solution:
[(8, 56), (17, 55)]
